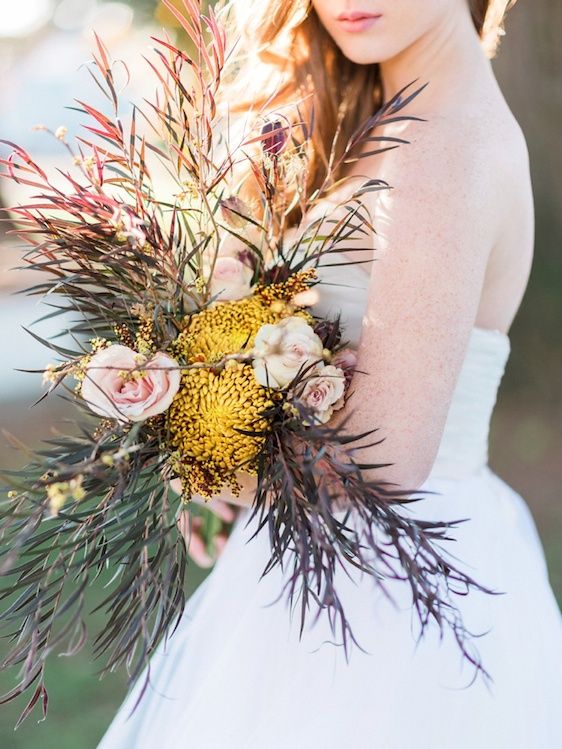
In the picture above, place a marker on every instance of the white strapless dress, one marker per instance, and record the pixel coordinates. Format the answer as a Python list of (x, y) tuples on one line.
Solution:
[(235, 675)]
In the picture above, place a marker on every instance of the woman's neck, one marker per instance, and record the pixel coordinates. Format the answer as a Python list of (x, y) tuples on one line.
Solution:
[(449, 58)]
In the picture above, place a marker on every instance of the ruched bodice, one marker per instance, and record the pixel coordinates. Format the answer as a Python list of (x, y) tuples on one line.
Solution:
[(464, 446)]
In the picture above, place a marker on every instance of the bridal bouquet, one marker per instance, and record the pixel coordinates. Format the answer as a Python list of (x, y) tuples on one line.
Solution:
[(197, 356)]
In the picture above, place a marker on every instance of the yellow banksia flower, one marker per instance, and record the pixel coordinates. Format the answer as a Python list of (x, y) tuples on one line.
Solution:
[(223, 328), (286, 290), (231, 327), (205, 420)]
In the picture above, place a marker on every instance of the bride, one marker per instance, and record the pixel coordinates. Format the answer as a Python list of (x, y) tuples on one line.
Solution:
[(453, 253)]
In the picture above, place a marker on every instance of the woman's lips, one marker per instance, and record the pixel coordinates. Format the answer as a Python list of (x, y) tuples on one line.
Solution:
[(357, 21)]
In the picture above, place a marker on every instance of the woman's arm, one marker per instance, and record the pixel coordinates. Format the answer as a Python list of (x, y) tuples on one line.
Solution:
[(436, 228)]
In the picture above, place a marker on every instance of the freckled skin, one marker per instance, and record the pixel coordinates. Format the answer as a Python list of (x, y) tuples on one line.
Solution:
[(455, 234)]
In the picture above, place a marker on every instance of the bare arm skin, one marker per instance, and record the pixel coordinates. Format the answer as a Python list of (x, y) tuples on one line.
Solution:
[(436, 229)]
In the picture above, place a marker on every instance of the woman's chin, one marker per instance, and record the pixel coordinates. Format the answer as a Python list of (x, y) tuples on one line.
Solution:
[(364, 52)]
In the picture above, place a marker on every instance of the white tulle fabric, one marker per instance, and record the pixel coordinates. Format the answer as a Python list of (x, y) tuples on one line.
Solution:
[(235, 675)]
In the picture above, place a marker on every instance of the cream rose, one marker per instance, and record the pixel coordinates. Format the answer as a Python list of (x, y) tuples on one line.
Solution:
[(283, 349), (121, 384), (324, 391)]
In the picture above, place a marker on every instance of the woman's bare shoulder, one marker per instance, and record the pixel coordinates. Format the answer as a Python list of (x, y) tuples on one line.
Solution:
[(441, 175), (480, 149), (465, 176), (477, 164)]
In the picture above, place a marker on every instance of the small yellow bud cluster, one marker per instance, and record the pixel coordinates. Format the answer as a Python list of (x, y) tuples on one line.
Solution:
[(60, 492), (131, 375), (97, 344), (124, 335), (79, 370), (90, 167), (89, 162), (293, 166), (268, 163), (61, 133), (290, 409), (105, 426), (111, 459), (144, 338), (189, 193), (295, 284), (200, 284), (50, 374)]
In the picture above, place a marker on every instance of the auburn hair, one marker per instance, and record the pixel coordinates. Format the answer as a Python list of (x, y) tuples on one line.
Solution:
[(286, 55)]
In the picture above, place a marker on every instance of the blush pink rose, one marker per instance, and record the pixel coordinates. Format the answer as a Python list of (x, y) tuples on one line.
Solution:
[(231, 279), (324, 392), (149, 389)]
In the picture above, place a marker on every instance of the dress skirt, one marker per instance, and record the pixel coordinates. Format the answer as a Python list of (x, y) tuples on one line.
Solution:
[(234, 675)]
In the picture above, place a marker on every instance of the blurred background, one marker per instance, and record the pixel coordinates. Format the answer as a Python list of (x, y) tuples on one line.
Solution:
[(43, 47)]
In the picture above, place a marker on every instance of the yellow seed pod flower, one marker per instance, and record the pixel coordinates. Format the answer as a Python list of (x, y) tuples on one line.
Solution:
[(206, 422)]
